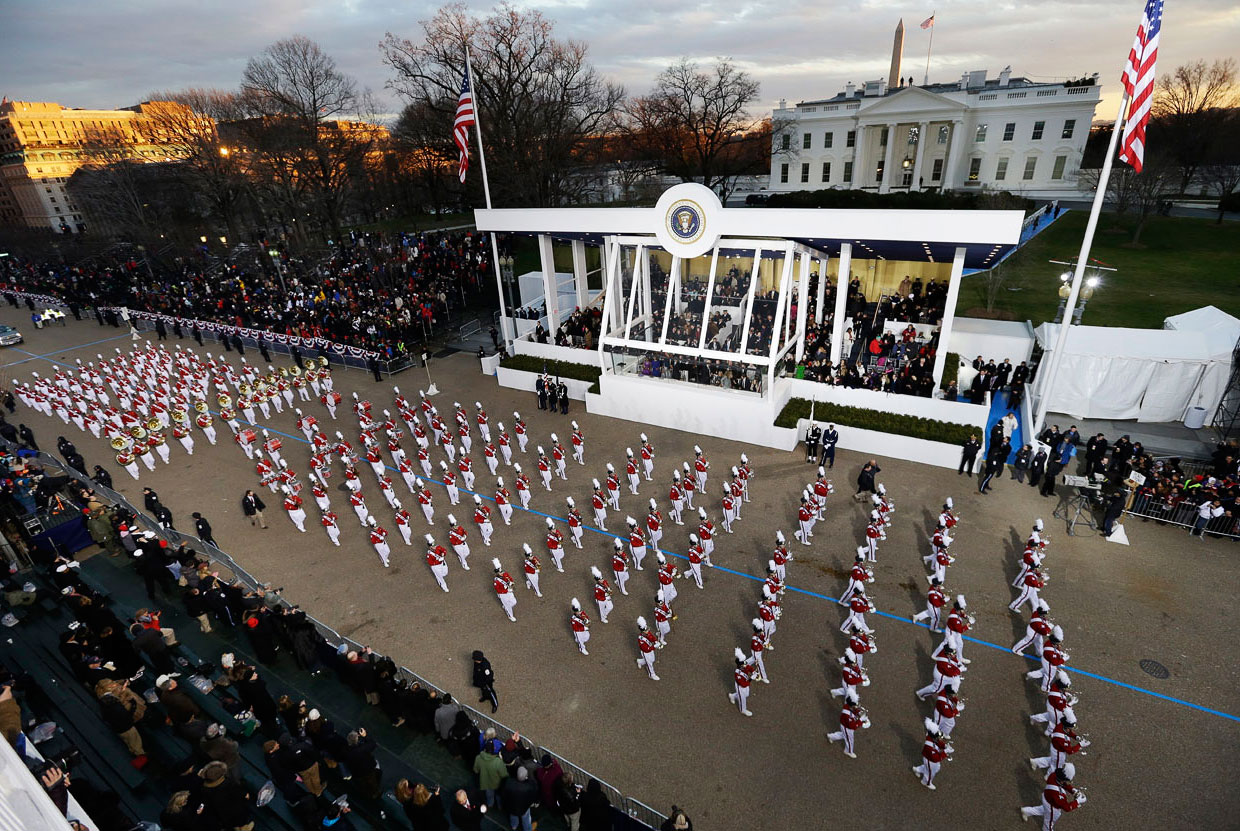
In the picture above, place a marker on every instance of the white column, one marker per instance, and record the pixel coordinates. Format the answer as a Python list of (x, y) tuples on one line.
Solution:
[(859, 163), (580, 281), (802, 298), (888, 158), (820, 293), (949, 315), (923, 130), (842, 273), (550, 290), (955, 141)]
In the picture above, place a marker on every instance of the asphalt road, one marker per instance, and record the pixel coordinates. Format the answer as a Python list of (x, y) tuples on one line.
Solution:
[(1157, 758)]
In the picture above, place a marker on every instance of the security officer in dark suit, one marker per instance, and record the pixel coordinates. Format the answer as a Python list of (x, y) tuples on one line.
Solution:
[(812, 436), (968, 455), (484, 680), (562, 389), (540, 386), (830, 438)]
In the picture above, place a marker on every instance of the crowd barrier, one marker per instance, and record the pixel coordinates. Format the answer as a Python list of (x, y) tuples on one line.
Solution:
[(636, 810)]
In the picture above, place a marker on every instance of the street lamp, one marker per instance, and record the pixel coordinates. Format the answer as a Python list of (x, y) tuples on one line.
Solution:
[(275, 256), (1089, 285), (203, 239), (1065, 289), (1087, 291)]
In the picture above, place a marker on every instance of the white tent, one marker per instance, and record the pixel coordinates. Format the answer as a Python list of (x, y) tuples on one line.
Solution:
[(1221, 332), (997, 339), (1143, 374)]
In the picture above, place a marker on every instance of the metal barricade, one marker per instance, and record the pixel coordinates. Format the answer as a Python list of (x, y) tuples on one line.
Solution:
[(582, 777), (643, 813), (1185, 514)]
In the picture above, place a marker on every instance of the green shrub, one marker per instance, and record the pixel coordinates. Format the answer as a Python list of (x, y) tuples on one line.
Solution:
[(951, 370), (900, 425), (559, 369)]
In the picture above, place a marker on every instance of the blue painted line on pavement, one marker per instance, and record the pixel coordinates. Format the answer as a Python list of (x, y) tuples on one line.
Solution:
[(44, 357)]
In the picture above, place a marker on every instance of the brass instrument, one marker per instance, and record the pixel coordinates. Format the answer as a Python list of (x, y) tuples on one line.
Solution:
[(201, 406), (224, 400), (179, 415), (311, 363), (283, 372), (119, 443), (244, 388), (294, 371), (323, 362), (138, 432), (153, 423)]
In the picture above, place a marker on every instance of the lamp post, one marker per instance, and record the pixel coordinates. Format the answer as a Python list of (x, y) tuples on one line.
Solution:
[(1087, 291), (1088, 287), (1065, 288), (507, 265), (275, 256)]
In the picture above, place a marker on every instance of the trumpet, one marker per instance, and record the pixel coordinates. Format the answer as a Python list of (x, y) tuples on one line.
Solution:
[(971, 619)]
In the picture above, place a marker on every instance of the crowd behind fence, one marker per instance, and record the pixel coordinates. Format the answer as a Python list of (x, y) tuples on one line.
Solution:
[(633, 808), (1177, 511)]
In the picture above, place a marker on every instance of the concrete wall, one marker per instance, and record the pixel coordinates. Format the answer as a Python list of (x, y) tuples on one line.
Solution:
[(936, 408), (873, 443), (520, 380), (551, 352)]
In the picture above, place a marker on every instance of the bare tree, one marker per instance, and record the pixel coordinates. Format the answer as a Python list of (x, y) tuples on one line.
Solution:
[(538, 97), (697, 122), (1190, 105), (1223, 180), (301, 104)]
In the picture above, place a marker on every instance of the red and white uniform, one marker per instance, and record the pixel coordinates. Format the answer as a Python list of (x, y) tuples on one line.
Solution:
[(503, 590), (203, 420), (852, 676), (600, 509), (637, 546), (766, 615), (935, 600), (1036, 632), (857, 608), (742, 677), (503, 501), (466, 467), (1065, 744), (940, 560), (489, 456), (696, 557), (555, 547), (620, 568), (953, 635), (861, 644), (449, 483), (482, 518), (602, 596), (574, 526), (531, 567), (181, 433), (852, 719), (424, 459), (738, 496), (1031, 558), (1058, 798), (459, 542), (857, 578), (378, 538), (757, 646), (667, 582), (544, 471), (561, 460), (505, 446), (805, 522), (403, 520), (1032, 584), (523, 438), (484, 426), (523, 489), (688, 488), (630, 470), (647, 454), (579, 446), (613, 490), (331, 527), (375, 458), (436, 558), (933, 751), (579, 622), (706, 536), (359, 506), (647, 643), (873, 533), (467, 441), (677, 497), (700, 466), (292, 504), (662, 621), (654, 528), (1053, 658), (947, 708), (947, 670)]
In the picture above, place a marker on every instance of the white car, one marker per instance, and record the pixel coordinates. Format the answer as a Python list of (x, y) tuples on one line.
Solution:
[(10, 336)]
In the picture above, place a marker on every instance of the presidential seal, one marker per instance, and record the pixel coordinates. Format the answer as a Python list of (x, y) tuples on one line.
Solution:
[(684, 221)]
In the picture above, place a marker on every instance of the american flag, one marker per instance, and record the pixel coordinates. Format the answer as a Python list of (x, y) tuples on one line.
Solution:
[(1138, 80), (928, 23), (464, 120)]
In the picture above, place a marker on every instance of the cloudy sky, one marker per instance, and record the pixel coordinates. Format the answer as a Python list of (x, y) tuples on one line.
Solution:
[(111, 53)]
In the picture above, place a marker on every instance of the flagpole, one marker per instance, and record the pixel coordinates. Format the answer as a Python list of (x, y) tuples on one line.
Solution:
[(925, 81), (1047, 378), (486, 190)]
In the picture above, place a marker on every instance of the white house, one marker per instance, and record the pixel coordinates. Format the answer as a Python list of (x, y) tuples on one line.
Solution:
[(1006, 133)]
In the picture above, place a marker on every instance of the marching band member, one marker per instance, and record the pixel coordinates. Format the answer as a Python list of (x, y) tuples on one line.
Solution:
[(947, 517), (574, 521), (613, 487), (858, 605), (600, 505), (359, 507), (852, 718), (706, 533), (654, 525), (852, 676), (424, 459), (449, 483), (619, 564), (857, 577), (805, 520), (768, 613), (503, 500), (505, 443), (742, 677), (328, 519), (436, 558), (947, 708), (958, 622), (503, 584), (458, 540), (1065, 744), (1059, 703), (630, 470), (518, 427), (466, 466), (1034, 581), (936, 598), (1053, 657), (579, 622), (602, 594), (677, 497), (388, 490), (544, 468), (531, 566), (743, 476), (934, 751), (647, 453), (378, 538), (757, 645), (662, 617), (181, 432), (688, 485), (490, 457), (351, 480), (667, 575), (403, 520), (729, 508), (292, 504), (700, 466), (579, 445), (523, 486), (1030, 558), (637, 543), (861, 644), (203, 420), (555, 545), (873, 533), (738, 492), (1059, 797), (272, 446), (374, 458), (647, 643), (482, 518), (695, 560), (484, 425), (560, 457), (426, 500), (947, 670)]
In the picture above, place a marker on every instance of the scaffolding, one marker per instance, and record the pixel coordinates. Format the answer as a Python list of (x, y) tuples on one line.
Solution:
[(1227, 416)]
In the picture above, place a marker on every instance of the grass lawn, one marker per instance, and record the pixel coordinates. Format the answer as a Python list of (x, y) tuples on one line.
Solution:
[(1182, 264)]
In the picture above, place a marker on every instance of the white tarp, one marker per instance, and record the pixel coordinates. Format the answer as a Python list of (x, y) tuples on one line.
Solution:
[(1220, 331), (1143, 374), (997, 339)]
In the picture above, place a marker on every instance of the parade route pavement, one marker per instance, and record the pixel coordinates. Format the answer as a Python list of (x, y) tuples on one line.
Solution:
[(1163, 750)]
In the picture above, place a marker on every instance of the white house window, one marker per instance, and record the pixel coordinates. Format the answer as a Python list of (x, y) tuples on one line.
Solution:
[(936, 172), (783, 173), (785, 141), (1031, 165), (1060, 163), (826, 170), (806, 141), (943, 134), (848, 171), (1038, 127), (1009, 131), (805, 171), (975, 168), (851, 139), (1069, 126), (981, 134), (828, 140), (1001, 170), (882, 138)]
